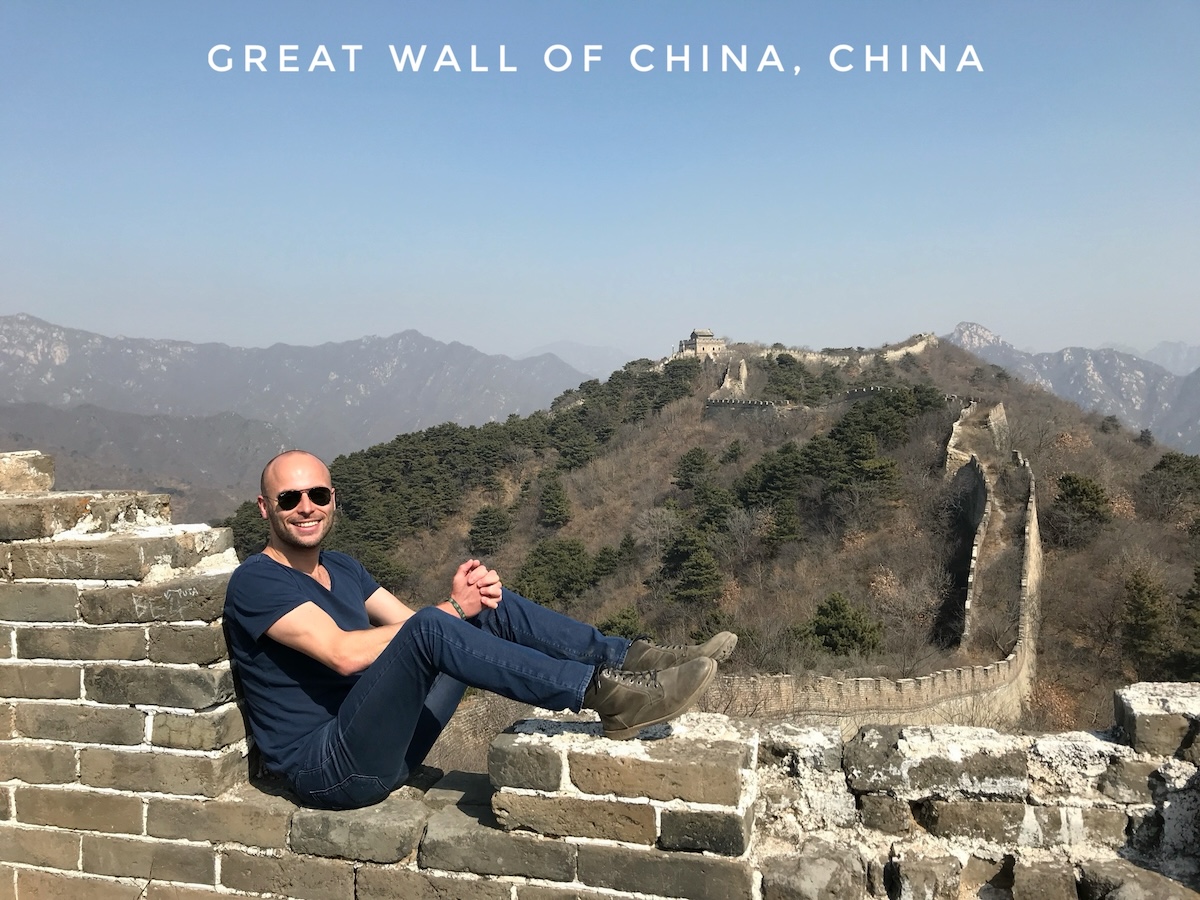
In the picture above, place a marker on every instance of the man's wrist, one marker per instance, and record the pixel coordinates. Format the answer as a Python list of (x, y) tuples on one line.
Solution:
[(458, 609)]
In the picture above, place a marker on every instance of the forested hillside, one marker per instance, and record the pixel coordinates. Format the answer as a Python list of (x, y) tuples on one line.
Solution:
[(823, 530)]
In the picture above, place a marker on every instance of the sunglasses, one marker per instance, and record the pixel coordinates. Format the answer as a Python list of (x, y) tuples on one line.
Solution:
[(288, 500)]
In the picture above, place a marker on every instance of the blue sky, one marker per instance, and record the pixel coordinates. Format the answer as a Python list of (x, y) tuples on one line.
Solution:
[(1054, 196)]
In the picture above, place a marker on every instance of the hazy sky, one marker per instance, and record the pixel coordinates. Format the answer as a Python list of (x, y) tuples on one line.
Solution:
[(1053, 196)]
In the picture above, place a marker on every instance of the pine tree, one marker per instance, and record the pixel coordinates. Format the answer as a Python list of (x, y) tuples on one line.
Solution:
[(1145, 621), (700, 579), (489, 528), (843, 629), (554, 507), (1184, 662)]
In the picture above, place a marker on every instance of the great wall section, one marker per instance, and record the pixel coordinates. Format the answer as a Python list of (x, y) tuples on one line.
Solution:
[(125, 771)]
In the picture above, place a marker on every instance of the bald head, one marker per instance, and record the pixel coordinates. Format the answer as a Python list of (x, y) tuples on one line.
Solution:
[(286, 461)]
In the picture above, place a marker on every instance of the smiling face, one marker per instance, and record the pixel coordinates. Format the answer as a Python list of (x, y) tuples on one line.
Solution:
[(305, 525)]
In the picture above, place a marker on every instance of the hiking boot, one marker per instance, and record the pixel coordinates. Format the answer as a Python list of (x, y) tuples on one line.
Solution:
[(629, 701), (647, 656)]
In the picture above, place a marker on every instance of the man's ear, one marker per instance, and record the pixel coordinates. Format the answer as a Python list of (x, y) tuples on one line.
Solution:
[(262, 506)]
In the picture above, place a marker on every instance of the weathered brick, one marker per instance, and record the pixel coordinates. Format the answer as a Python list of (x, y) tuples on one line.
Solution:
[(818, 871), (1128, 780), (302, 877), (185, 688), (116, 557), (887, 814), (1068, 826), (516, 760), (8, 883), (545, 892), (60, 886), (688, 875), (188, 599), (696, 771), (931, 877), (44, 515), (84, 724), (80, 810), (397, 883), (1120, 878), (133, 858), (35, 682), (8, 714), (726, 832), (179, 892), (384, 833), (209, 730), (244, 815), (5, 803), (615, 820), (22, 601), (6, 639), (468, 840), (83, 642), (200, 644), (997, 822), (160, 771), (39, 847), (38, 763), (26, 471), (1155, 716), (458, 789), (1045, 880)]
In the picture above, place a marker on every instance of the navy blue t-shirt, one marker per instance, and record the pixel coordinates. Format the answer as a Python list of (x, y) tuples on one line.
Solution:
[(289, 695)]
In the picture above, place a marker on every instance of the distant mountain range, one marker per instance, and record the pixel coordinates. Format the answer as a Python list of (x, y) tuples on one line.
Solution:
[(332, 399), (1141, 393)]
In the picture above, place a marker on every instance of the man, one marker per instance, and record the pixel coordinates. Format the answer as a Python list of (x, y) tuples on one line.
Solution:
[(347, 688)]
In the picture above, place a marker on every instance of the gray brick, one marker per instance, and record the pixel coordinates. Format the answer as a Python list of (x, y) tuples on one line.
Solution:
[(185, 688), (188, 599), (887, 814), (6, 635), (459, 840), (63, 886), (200, 644), (695, 771), (80, 810), (305, 878), (84, 724), (1068, 826), (8, 713), (1047, 880), (38, 763), (81, 642), (209, 730), (5, 804), (161, 771), (544, 892), (931, 877), (384, 833), (133, 858), (397, 883), (162, 891), (26, 471), (36, 682), (39, 847), (244, 815), (517, 761), (1120, 878), (1155, 716), (114, 557), (725, 832), (818, 871), (45, 515), (614, 820), (1128, 780), (38, 602), (688, 875), (8, 883), (997, 822), (459, 789)]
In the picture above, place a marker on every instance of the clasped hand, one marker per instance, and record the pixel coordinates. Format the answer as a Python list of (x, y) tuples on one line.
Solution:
[(475, 586)]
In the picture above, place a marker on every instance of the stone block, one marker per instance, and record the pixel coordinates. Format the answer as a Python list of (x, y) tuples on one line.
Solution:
[(397, 883), (7, 717), (944, 762), (614, 820), (818, 871), (34, 601), (162, 891), (1118, 879), (116, 557), (81, 810), (983, 820), (384, 833), (688, 875), (459, 789), (65, 642), (31, 681), (193, 598), (160, 860), (6, 641), (928, 877), (1045, 880), (64, 886), (817, 748), (82, 724), (469, 840), (26, 471), (39, 847), (185, 688), (161, 771), (1157, 717), (887, 814), (520, 761), (5, 803), (545, 892), (695, 771), (35, 516), (244, 815), (199, 644), (38, 763), (1128, 780), (724, 832), (301, 877), (1069, 826), (8, 883), (210, 730)]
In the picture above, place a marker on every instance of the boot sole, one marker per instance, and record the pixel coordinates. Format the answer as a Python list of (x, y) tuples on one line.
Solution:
[(625, 734), (726, 651)]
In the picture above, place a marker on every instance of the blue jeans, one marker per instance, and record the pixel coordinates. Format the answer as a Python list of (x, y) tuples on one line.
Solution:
[(402, 701)]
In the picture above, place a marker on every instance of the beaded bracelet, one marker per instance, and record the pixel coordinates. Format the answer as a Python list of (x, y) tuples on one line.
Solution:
[(458, 609)]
